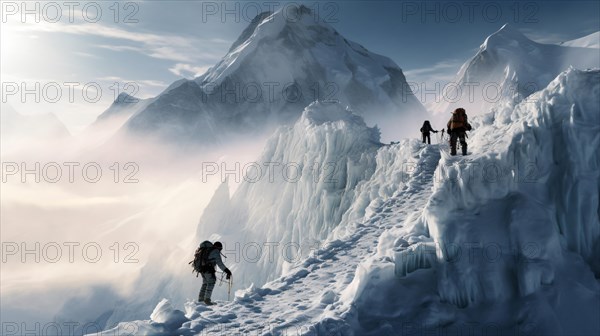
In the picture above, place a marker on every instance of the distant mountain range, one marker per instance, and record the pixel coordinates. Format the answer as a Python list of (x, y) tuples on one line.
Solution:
[(273, 71), (16, 127)]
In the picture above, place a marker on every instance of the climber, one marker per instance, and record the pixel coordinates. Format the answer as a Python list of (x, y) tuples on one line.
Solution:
[(458, 125), (212, 257), (425, 131)]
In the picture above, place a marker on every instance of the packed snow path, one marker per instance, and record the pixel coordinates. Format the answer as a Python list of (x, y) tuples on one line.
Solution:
[(294, 303)]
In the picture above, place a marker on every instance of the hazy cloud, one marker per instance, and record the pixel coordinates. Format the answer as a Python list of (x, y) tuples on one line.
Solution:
[(148, 82), (547, 38), (162, 46), (187, 70), (441, 72)]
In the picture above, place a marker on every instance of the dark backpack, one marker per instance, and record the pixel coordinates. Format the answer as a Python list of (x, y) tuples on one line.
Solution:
[(200, 263)]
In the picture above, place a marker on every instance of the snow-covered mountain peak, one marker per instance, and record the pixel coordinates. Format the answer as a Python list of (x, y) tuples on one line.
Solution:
[(296, 27), (296, 31), (249, 31), (124, 106), (507, 36), (300, 21), (125, 98), (282, 62), (509, 67)]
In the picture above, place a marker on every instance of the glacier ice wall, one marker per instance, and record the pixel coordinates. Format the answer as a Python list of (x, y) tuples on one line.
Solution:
[(293, 197), (508, 241), (531, 192)]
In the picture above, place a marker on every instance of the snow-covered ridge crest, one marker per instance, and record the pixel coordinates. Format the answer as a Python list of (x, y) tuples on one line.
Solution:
[(507, 35)]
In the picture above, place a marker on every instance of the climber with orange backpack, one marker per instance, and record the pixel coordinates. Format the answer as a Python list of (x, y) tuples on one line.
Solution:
[(457, 126)]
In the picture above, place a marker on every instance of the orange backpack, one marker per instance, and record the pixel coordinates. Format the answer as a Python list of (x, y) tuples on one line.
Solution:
[(458, 120)]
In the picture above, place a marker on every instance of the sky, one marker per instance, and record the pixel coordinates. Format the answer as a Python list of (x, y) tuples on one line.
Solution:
[(83, 55)]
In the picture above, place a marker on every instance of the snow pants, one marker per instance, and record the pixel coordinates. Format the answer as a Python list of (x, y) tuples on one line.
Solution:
[(209, 279), (426, 136), (458, 135)]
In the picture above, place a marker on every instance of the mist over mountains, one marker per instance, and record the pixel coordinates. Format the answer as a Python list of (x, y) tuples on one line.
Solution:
[(367, 236)]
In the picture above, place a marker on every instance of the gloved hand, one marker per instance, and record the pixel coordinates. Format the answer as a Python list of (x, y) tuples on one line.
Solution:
[(228, 272)]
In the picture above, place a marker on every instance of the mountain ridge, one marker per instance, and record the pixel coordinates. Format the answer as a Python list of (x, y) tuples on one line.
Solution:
[(507, 68), (273, 70)]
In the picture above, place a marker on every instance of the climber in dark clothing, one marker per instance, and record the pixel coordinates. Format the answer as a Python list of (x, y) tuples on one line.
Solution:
[(458, 125), (209, 279), (426, 129)]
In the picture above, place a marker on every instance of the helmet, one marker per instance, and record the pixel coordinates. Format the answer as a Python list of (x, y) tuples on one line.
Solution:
[(218, 245)]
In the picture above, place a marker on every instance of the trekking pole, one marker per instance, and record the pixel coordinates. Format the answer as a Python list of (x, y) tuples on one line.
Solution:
[(229, 290), (221, 282), (442, 137)]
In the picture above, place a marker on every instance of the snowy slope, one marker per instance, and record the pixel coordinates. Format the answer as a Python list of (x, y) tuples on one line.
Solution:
[(439, 244), (507, 68), (296, 193), (281, 63), (589, 41)]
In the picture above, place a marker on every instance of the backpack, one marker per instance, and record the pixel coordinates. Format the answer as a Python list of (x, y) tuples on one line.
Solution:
[(200, 263), (458, 120)]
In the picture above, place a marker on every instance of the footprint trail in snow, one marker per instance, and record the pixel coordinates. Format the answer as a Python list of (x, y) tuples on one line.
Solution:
[(295, 302)]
